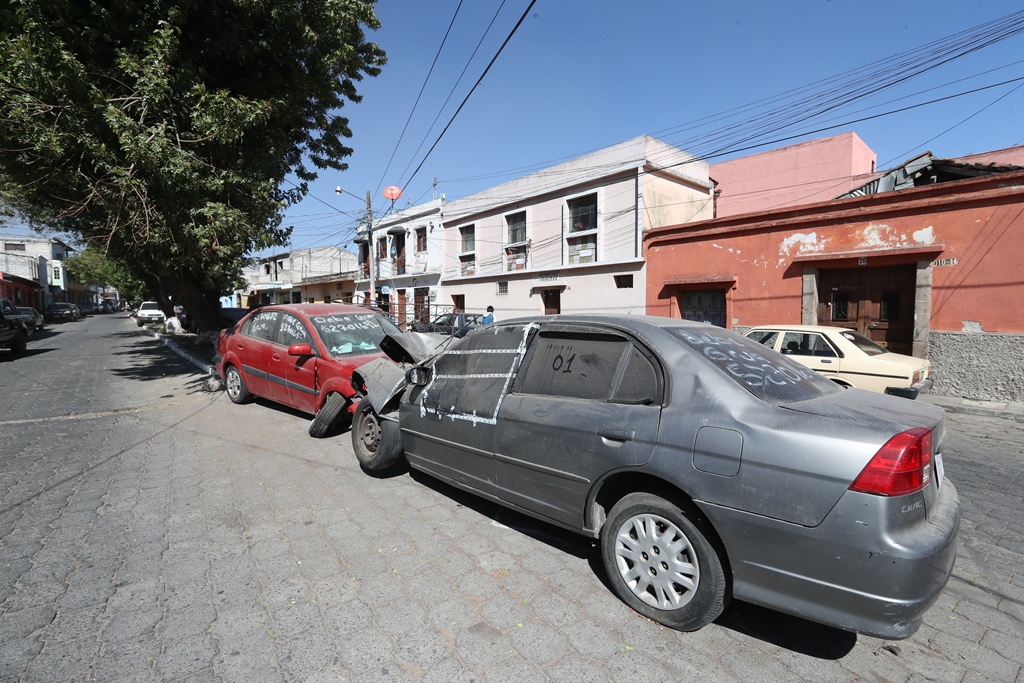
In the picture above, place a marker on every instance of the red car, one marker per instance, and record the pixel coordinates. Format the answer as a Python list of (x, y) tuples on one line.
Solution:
[(301, 355)]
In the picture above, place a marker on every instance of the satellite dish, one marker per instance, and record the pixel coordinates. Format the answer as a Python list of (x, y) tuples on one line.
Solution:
[(392, 192)]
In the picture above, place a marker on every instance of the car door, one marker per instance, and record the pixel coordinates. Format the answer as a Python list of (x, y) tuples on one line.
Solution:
[(297, 374), (448, 425), (813, 350), (252, 347), (587, 402)]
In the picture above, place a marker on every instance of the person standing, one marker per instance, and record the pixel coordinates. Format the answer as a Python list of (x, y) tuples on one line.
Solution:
[(489, 318)]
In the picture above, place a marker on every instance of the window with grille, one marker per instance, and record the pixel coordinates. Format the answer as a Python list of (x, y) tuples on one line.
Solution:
[(421, 239), (583, 213), (502, 288), (516, 227), (468, 235)]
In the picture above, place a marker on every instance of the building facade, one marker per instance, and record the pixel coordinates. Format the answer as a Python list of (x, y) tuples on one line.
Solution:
[(406, 255), (296, 276), (805, 173), (39, 261), (924, 259), (569, 238)]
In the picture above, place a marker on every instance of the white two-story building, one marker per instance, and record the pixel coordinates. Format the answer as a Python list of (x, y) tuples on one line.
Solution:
[(569, 238)]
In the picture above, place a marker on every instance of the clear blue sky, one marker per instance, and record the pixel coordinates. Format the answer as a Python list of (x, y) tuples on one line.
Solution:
[(579, 76)]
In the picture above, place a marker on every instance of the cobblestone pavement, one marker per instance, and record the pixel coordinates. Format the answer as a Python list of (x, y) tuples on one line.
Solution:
[(153, 531)]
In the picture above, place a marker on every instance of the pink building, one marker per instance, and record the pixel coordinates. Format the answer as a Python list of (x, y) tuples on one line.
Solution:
[(806, 173)]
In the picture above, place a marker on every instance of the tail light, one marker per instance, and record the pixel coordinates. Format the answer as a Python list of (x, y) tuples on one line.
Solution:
[(903, 465)]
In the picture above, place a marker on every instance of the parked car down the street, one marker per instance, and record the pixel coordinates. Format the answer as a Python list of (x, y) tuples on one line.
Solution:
[(847, 357), (452, 324), (707, 466), (14, 328), (60, 312), (302, 356), (33, 318), (149, 312)]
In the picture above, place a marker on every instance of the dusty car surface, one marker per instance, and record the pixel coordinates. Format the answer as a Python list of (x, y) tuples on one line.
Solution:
[(707, 465), (301, 355), (848, 358)]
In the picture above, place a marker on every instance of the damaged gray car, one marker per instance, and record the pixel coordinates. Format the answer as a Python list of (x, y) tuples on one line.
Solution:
[(706, 465)]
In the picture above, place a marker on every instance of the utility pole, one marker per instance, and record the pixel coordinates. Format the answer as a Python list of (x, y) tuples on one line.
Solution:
[(371, 254)]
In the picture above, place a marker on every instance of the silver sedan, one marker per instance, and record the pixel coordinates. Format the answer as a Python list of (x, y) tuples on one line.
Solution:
[(708, 466)]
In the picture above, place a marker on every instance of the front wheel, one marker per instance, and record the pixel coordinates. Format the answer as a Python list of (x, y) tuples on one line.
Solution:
[(235, 386), (376, 442), (20, 343), (661, 564), (326, 420)]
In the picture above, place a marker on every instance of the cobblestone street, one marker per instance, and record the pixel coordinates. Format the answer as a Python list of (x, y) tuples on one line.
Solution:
[(150, 530)]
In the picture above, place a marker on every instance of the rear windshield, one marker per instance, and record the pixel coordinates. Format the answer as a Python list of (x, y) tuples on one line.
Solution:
[(863, 343), (763, 372), (352, 334)]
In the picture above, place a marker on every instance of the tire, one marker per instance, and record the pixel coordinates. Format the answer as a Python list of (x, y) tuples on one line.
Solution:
[(19, 344), (377, 443), (328, 419), (235, 386), (138, 322), (643, 540)]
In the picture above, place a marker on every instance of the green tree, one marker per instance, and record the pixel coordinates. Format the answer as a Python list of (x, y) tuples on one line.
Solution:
[(161, 132), (92, 267)]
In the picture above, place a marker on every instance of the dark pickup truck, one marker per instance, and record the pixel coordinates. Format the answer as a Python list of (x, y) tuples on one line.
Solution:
[(13, 328)]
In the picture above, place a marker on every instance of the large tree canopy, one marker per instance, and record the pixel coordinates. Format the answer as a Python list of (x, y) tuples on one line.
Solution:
[(161, 131)]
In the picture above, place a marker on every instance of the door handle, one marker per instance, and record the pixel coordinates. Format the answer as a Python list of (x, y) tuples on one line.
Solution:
[(617, 434), (275, 357)]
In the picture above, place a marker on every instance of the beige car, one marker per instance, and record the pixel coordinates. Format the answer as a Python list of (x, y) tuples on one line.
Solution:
[(849, 358)]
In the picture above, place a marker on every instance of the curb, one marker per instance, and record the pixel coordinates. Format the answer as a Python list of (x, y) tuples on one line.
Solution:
[(952, 404), (172, 344)]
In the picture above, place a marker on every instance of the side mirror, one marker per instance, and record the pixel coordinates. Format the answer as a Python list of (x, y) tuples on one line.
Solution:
[(300, 350), (418, 376)]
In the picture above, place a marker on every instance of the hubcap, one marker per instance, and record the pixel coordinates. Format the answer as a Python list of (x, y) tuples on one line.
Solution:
[(370, 433), (234, 384), (656, 561)]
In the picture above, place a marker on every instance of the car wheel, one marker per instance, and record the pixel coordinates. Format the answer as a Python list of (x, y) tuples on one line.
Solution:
[(376, 442), (660, 563), (19, 344), (138, 322), (235, 386), (327, 419)]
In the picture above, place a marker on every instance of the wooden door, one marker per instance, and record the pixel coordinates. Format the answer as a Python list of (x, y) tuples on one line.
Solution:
[(877, 302), (552, 301), (401, 310)]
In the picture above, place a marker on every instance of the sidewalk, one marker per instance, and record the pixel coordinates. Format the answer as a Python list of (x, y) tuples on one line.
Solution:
[(201, 355)]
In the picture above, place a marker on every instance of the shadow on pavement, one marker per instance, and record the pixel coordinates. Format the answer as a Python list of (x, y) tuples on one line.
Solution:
[(782, 630), (7, 356), (154, 361)]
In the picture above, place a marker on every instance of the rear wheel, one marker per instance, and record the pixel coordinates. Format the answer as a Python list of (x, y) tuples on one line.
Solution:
[(235, 386), (376, 442), (327, 419), (661, 564)]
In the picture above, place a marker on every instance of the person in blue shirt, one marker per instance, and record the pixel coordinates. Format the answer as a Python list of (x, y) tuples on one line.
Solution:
[(489, 318)]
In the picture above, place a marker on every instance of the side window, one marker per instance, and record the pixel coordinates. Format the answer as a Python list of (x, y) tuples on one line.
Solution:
[(291, 331), (638, 381), (574, 365), (262, 325), (765, 337), (801, 344)]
